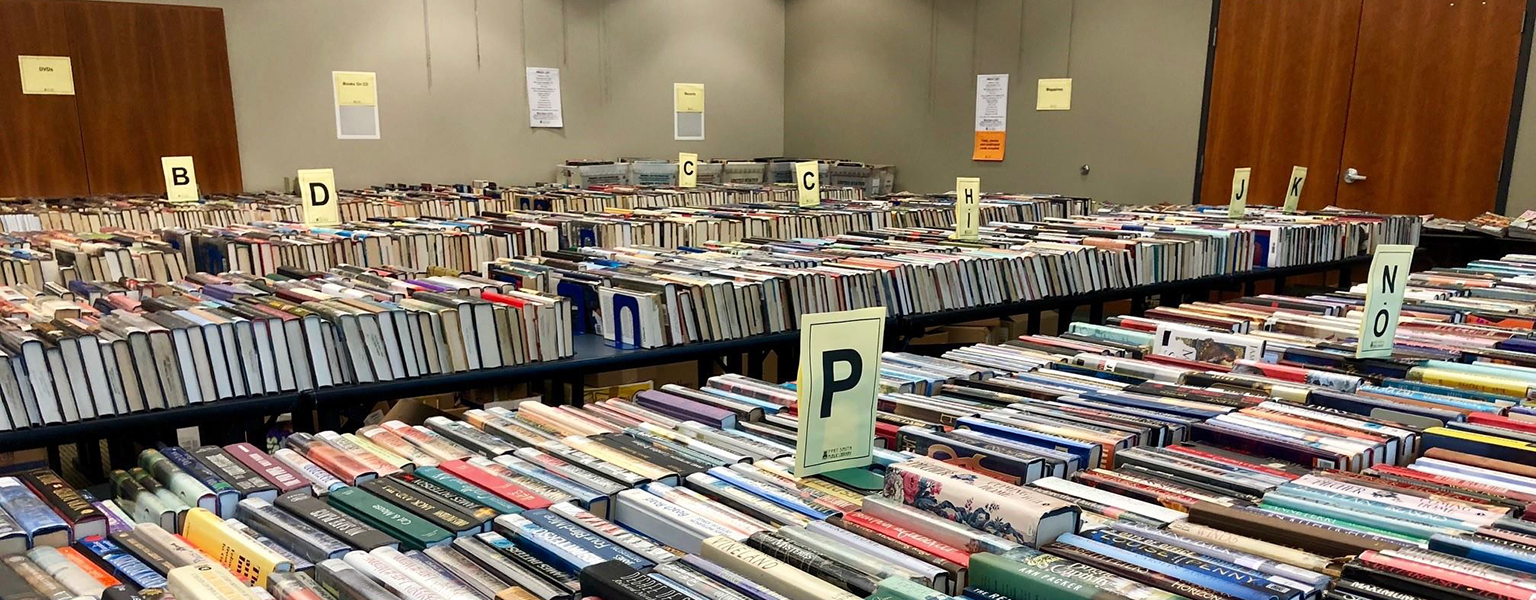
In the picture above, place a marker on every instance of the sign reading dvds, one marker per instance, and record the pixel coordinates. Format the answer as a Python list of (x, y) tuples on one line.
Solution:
[(687, 169), (839, 378), (967, 208), (180, 178), (318, 189), (1293, 189), (808, 182), (1384, 300), (1239, 205)]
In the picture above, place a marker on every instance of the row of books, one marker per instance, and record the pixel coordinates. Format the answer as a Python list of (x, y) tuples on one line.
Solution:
[(96, 350), (108, 213), (1522, 227), (874, 180), (417, 242), (683, 493)]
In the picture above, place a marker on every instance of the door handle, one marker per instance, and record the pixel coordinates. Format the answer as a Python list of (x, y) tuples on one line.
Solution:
[(1351, 175)]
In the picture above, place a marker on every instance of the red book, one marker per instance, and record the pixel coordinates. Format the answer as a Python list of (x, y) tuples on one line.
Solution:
[(1185, 363), (272, 471), (1501, 422), (909, 537), (489, 482), (1446, 577)]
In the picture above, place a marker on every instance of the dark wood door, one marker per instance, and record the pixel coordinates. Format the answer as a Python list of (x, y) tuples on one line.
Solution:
[(1279, 96), (1429, 108), (40, 147), (154, 81)]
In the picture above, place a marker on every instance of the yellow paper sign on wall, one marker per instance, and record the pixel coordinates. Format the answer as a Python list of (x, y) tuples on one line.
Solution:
[(180, 179), (688, 97), (48, 75), (318, 189), (808, 183), (356, 88), (1054, 94), (687, 169)]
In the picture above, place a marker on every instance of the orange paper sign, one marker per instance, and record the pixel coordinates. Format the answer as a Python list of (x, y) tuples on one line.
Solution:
[(989, 145)]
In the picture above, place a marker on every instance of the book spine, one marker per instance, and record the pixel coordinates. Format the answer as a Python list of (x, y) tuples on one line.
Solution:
[(618, 535), (245, 557), (205, 582), (551, 546), (405, 497), (66, 501), (479, 513), (263, 465), (343, 582), (387, 575), (244, 480), (770, 572), (506, 490), (527, 562), (1154, 580), (457, 485), (614, 580), (588, 540), (121, 563), (31, 514), (413, 533), (339, 525), (812, 562), (175, 550), (449, 559), (35, 578), (304, 539)]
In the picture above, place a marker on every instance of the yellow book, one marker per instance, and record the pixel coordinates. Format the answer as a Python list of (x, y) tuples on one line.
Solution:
[(247, 558), (206, 582), (1471, 381)]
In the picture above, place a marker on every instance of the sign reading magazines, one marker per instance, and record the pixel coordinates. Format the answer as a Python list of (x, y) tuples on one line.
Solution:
[(1384, 300), (839, 378)]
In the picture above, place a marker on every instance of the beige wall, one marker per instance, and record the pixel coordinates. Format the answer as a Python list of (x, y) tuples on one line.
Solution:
[(894, 82), (466, 116)]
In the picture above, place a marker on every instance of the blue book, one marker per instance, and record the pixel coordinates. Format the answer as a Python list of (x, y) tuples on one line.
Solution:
[(1256, 580), (549, 546), (43, 526), (1377, 514), (1202, 579), (579, 535), (119, 563), (761, 491), (1485, 550), (594, 501), (1087, 454)]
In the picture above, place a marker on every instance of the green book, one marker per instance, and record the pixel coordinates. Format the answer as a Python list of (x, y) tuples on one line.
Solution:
[(1040, 576), (901, 588), (413, 532)]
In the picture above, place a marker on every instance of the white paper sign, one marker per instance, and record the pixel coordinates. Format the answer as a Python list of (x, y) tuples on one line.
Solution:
[(992, 102), (839, 380), (544, 98), (1384, 300)]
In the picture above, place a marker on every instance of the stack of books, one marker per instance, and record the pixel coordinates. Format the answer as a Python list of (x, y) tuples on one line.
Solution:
[(98, 349), (1089, 465)]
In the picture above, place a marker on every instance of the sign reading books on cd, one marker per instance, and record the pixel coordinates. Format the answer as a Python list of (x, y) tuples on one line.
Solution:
[(357, 104), (180, 178), (967, 208), (808, 182), (1239, 205), (687, 169), (991, 117), (1384, 300), (317, 187), (1293, 189), (839, 378)]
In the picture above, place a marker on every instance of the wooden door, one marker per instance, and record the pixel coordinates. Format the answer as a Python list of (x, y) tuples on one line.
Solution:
[(40, 147), (154, 81), (1279, 96), (1429, 108)]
